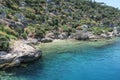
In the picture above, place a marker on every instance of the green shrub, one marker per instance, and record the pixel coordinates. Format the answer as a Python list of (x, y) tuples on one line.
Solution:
[(96, 30), (39, 32), (8, 32), (73, 30), (65, 28), (4, 43), (24, 35), (99, 30)]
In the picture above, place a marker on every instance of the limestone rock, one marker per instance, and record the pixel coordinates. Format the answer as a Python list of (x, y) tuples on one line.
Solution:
[(21, 52)]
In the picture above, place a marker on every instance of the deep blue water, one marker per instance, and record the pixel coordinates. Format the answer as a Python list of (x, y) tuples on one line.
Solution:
[(74, 63)]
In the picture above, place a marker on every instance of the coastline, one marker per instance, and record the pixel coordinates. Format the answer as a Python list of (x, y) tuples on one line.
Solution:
[(58, 52), (80, 41), (33, 52), (58, 44)]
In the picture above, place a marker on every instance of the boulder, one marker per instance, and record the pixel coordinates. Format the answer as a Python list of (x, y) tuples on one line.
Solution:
[(32, 41), (91, 35), (107, 36), (104, 35), (115, 32), (72, 36), (46, 40), (63, 36), (110, 34), (84, 27), (50, 35), (20, 53), (2, 15), (81, 35)]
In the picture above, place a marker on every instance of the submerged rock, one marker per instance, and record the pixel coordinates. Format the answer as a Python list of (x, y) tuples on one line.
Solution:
[(20, 53)]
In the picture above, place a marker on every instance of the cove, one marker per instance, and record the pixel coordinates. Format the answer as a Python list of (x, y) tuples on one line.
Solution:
[(72, 60)]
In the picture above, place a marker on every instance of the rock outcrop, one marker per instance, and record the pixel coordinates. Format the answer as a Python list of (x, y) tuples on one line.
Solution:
[(21, 53), (46, 40), (81, 35), (63, 35), (50, 35)]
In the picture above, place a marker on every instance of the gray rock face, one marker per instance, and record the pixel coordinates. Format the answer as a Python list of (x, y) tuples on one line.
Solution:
[(22, 4), (20, 17), (32, 41), (63, 36), (2, 15), (103, 35), (14, 25), (80, 35), (46, 40), (20, 53), (115, 32), (84, 27), (91, 35), (72, 36), (2, 12)]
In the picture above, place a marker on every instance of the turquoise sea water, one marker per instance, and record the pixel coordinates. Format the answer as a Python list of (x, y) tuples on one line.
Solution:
[(72, 61)]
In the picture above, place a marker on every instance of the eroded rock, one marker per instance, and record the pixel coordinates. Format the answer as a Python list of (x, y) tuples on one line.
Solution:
[(20, 53)]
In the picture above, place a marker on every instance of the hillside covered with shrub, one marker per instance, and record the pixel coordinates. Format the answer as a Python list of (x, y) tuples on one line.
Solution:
[(34, 18)]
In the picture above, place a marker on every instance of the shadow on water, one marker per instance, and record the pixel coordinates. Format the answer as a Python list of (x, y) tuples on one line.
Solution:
[(25, 70), (32, 67)]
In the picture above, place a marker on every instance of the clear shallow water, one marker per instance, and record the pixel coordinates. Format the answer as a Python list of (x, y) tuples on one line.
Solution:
[(72, 61)]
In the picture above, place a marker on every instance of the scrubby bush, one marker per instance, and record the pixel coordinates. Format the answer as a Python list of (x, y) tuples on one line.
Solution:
[(65, 28), (99, 30), (96, 30), (4, 43), (39, 32), (8, 32), (24, 35)]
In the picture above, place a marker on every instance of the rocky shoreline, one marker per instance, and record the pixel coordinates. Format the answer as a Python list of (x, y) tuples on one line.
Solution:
[(81, 34), (21, 52)]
